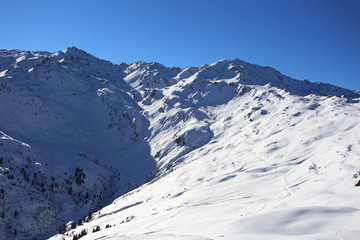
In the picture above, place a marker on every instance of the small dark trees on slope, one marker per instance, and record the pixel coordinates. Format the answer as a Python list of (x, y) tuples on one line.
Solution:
[(88, 217), (63, 229), (80, 235), (73, 225), (83, 233), (97, 229), (79, 176), (80, 222)]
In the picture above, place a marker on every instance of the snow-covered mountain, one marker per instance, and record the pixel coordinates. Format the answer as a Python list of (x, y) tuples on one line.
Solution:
[(229, 150)]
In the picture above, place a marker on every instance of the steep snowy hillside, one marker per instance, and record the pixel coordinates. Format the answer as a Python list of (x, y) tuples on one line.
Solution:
[(229, 150), (84, 129), (243, 152)]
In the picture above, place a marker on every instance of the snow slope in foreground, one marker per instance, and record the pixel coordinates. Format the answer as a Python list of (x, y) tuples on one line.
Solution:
[(278, 166)]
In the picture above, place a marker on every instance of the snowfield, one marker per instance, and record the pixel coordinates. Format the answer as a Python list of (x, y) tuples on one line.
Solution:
[(229, 150)]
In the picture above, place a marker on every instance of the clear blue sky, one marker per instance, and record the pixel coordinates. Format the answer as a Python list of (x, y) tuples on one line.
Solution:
[(318, 40)]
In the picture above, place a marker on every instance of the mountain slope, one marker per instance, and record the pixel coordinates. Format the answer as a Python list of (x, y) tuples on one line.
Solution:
[(232, 150), (84, 129), (276, 166)]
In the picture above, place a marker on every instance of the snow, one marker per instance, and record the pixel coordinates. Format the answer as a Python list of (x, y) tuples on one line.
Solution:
[(229, 150)]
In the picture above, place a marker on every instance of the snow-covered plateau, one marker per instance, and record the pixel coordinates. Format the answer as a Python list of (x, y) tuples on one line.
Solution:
[(232, 150)]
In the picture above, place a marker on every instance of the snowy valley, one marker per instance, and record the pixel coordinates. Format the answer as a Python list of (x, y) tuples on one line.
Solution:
[(230, 150)]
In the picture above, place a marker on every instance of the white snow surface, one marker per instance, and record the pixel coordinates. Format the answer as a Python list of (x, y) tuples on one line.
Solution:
[(229, 150)]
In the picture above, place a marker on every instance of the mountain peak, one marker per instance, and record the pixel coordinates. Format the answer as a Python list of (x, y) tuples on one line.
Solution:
[(76, 52)]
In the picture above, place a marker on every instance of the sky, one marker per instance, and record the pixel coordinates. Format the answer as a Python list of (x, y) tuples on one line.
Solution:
[(317, 40)]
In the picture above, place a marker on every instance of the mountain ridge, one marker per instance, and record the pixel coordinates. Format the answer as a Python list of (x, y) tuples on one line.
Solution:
[(76, 52)]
